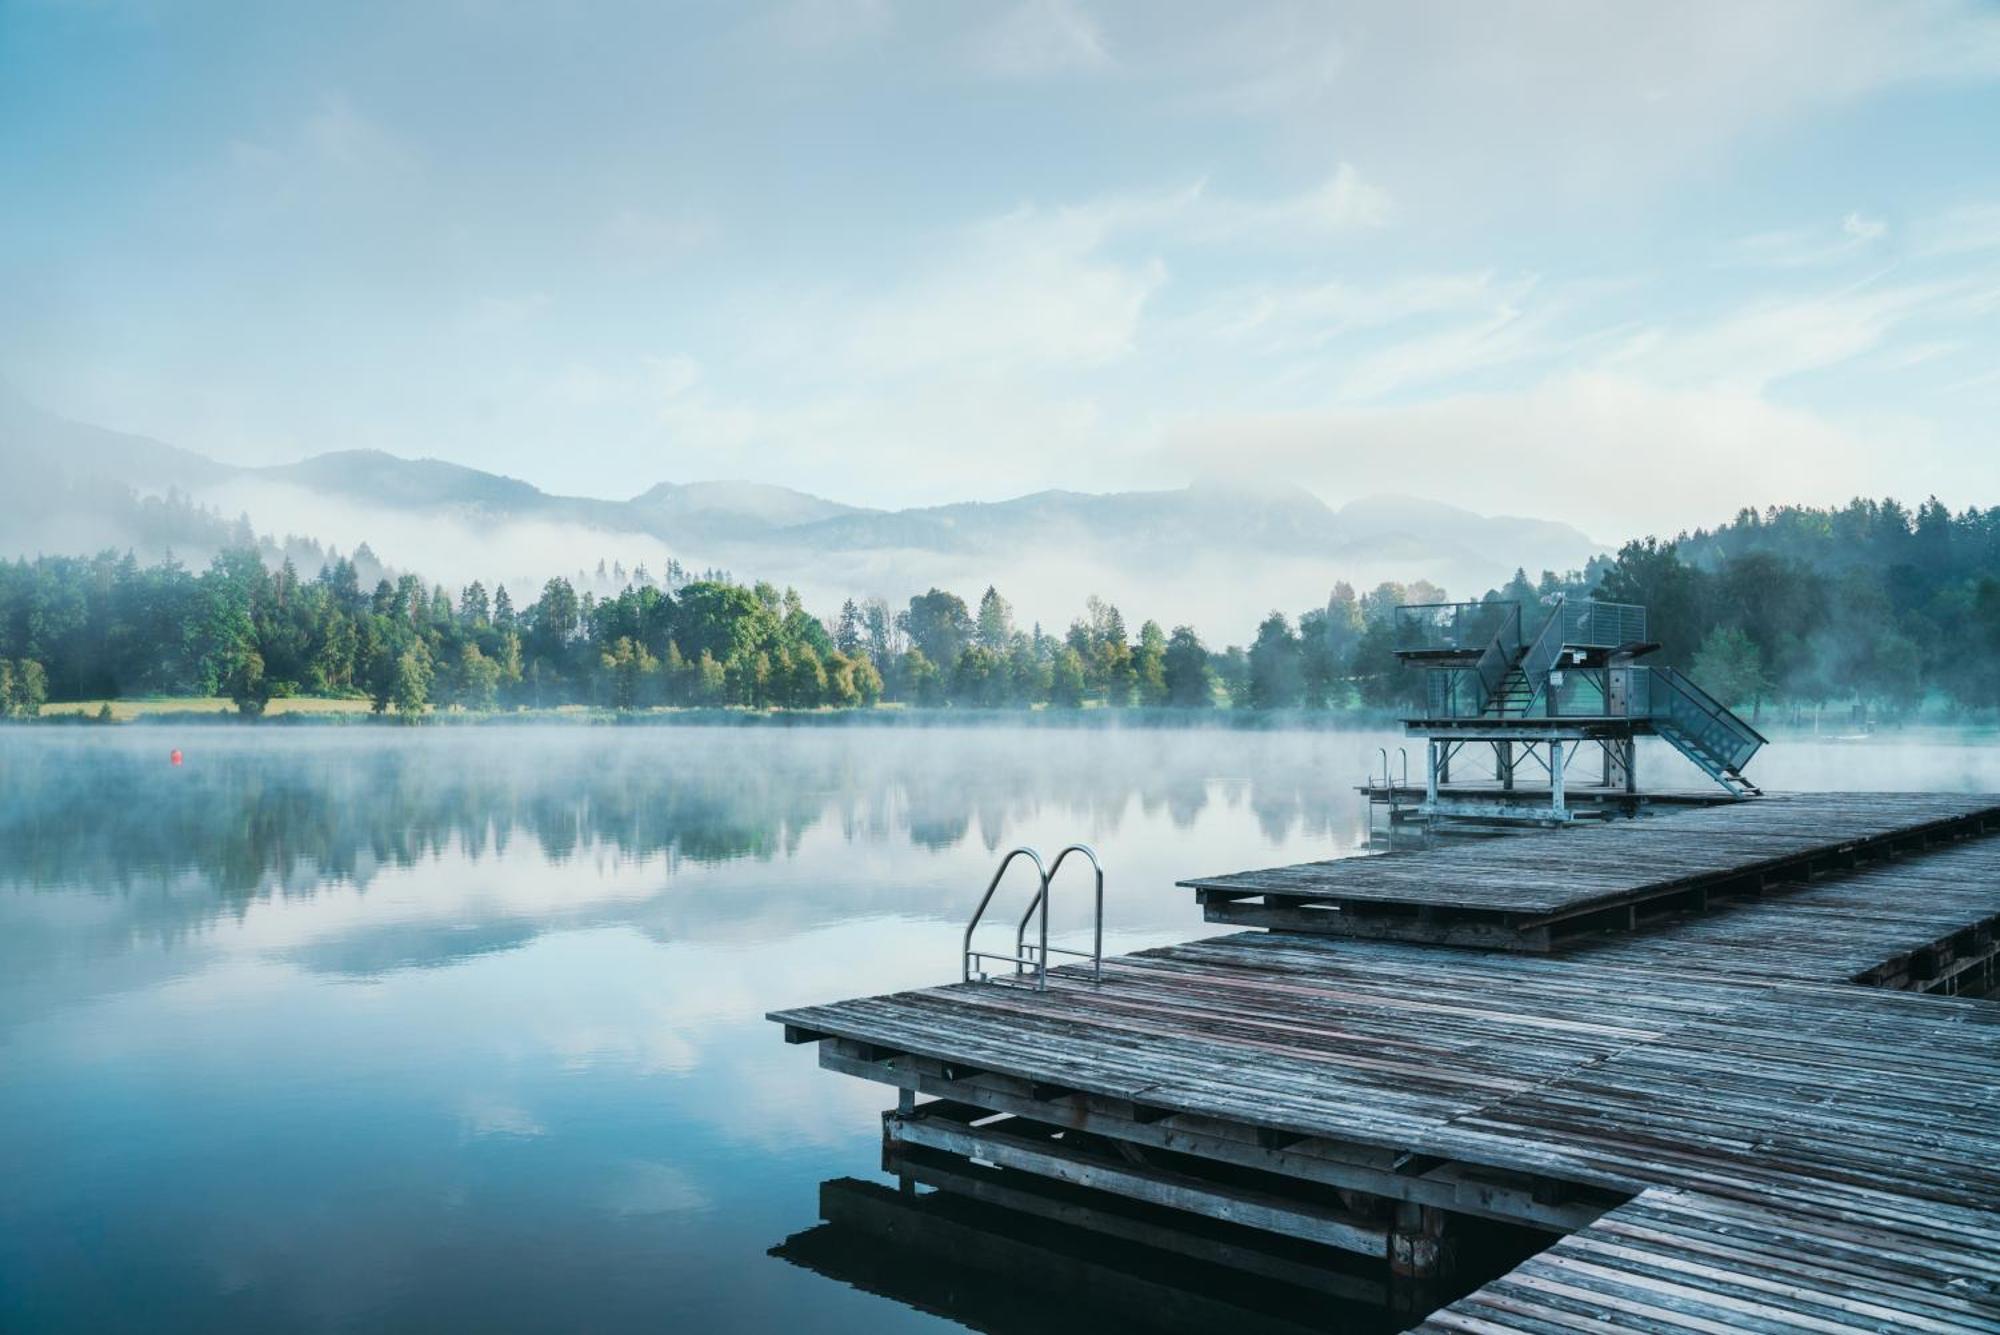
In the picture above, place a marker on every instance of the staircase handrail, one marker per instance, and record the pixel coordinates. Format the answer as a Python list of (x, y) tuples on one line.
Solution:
[(1498, 659), (1682, 688), (1542, 654)]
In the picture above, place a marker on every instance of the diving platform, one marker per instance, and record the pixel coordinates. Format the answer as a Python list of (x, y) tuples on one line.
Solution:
[(1768, 1097), (1537, 689)]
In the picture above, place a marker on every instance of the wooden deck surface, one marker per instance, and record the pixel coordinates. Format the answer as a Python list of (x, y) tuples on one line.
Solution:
[(1671, 1260), (1925, 923), (1510, 891)]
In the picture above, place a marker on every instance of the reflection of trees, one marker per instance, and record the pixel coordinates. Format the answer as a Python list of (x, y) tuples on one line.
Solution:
[(284, 811)]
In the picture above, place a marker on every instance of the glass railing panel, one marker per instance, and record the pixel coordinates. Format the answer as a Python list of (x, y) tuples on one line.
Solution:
[(1449, 627)]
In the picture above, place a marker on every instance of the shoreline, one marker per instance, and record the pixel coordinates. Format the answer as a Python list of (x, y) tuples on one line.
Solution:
[(321, 713)]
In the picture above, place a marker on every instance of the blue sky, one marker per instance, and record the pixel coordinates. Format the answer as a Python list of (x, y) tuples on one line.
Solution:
[(1629, 266)]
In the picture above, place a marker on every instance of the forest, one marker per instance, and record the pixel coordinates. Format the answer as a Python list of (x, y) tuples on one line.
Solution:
[(1871, 605)]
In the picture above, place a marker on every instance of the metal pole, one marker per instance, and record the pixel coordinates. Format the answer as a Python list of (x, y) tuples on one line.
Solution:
[(1556, 776), (1097, 937), (1042, 969)]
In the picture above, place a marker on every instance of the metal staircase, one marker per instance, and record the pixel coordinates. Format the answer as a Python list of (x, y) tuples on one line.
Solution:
[(1701, 728), (1513, 699)]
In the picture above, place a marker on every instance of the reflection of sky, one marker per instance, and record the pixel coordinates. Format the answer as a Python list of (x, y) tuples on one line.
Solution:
[(429, 1053), (506, 1068)]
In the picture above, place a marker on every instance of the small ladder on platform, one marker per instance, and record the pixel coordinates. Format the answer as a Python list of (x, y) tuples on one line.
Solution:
[(1031, 958)]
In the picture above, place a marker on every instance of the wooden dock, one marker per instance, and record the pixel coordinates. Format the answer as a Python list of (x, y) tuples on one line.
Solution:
[(1728, 1127), (1527, 892)]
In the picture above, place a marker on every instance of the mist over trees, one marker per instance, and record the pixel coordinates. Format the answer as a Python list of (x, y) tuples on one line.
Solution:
[(1870, 603)]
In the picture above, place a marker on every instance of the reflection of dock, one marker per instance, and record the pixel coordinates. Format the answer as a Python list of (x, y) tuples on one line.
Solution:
[(1688, 1083), (1097, 1263)]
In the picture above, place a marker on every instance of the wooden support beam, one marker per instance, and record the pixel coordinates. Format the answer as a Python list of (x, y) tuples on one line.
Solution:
[(1034, 1196), (1487, 1193), (1158, 1186)]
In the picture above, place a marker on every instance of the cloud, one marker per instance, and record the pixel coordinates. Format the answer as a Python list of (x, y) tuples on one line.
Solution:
[(335, 147), (1810, 247), (1608, 450), (1064, 287), (1343, 202), (1034, 287), (1038, 38), (1280, 318), (648, 1186), (822, 26), (503, 315), (1964, 230), (1508, 105), (1773, 338), (638, 242), (453, 550)]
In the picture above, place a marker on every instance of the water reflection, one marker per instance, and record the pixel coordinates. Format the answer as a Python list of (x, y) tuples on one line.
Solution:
[(258, 815), (1084, 1263), (436, 1030)]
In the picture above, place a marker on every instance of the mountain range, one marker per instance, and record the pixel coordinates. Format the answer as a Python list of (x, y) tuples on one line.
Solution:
[(1215, 553)]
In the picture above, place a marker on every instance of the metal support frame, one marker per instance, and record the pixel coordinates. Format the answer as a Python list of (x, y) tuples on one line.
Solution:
[(1556, 775), (1553, 749)]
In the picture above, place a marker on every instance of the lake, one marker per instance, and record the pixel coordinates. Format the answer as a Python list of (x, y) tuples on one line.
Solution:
[(461, 1028)]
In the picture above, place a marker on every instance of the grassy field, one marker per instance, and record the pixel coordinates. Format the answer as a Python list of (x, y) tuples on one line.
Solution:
[(125, 710)]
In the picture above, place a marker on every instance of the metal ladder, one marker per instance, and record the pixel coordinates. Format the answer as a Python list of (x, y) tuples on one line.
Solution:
[(1389, 781), (1035, 955)]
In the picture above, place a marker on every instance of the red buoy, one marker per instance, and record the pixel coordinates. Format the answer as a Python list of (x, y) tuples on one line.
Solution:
[(174, 758)]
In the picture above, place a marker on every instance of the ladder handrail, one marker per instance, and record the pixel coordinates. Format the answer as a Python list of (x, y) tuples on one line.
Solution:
[(987, 898), (1041, 900)]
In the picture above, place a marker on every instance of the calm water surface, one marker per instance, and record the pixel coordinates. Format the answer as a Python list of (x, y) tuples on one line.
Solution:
[(461, 1029)]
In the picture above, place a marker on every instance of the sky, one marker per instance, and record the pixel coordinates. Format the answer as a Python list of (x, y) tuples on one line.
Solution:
[(1627, 266)]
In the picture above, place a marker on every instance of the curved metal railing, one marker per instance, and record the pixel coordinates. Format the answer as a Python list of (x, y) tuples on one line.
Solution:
[(1006, 861), (1043, 950), (1036, 956)]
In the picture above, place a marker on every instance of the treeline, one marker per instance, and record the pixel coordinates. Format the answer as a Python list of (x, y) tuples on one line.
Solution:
[(1869, 603), (107, 627)]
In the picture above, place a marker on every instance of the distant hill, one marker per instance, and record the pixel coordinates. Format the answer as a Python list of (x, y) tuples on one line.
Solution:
[(1216, 553)]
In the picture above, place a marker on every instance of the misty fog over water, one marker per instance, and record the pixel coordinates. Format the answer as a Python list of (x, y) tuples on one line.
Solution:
[(435, 1029)]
